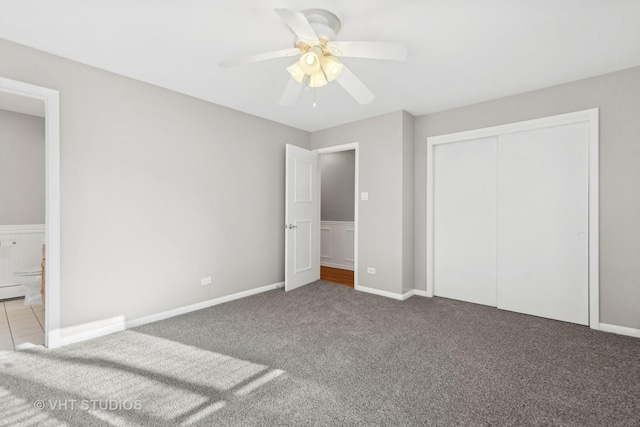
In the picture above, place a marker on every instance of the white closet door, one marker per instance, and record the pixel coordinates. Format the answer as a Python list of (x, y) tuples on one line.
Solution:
[(465, 220), (543, 223)]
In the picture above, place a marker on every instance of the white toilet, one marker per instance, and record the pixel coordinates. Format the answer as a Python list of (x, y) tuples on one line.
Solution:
[(31, 279)]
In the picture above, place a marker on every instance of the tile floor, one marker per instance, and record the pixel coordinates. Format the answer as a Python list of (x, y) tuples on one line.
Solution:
[(21, 326)]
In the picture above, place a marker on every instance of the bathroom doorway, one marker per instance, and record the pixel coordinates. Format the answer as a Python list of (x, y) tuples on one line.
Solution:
[(22, 221), (29, 216), (338, 214)]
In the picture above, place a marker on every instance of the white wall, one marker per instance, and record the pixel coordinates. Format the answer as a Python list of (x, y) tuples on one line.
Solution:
[(22, 182), (158, 190), (338, 173), (618, 97)]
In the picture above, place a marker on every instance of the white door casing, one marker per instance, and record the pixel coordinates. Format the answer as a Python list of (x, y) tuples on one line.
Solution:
[(345, 147), (302, 217), (50, 97)]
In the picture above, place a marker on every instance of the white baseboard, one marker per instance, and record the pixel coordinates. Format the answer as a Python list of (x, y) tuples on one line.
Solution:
[(342, 267), (70, 335), (120, 324), (409, 294), (620, 330), (422, 293), (387, 294)]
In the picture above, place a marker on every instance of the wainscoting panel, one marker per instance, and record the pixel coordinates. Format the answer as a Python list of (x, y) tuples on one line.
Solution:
[(337, 244), (24, 254), (325, 242)]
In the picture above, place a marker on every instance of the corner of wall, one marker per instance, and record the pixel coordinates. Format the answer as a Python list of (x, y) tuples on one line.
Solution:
[(408, 195)]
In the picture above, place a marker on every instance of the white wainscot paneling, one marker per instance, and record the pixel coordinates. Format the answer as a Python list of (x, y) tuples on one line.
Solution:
[(337, 244)]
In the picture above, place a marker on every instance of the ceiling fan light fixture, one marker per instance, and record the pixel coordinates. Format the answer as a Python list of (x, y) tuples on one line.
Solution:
[(310, 61), (296, 72), (318, 79), (315, 26), (332, 67)]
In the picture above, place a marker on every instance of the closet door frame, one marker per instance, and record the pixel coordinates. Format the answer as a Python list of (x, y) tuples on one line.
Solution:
[(589, 116)]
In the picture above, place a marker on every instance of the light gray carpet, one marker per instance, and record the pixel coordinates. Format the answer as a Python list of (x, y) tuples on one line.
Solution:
[(328, 355)]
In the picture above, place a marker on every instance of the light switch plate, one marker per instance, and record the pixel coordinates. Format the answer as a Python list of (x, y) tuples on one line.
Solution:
[(364, 195), (371, 270)]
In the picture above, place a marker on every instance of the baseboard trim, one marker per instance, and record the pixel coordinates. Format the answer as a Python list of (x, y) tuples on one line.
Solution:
[(620, 330), (120, 324), (393, 295), (340, 266), (422, 293), (409, 294)]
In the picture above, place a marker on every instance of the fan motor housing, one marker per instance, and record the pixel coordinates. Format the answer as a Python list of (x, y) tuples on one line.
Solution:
[(324, 19)]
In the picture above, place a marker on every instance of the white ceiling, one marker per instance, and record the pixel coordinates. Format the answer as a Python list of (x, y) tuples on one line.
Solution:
[(21, 104), (460, 51)]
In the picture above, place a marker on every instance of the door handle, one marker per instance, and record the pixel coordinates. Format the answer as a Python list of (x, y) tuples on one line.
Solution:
[(290, 226)]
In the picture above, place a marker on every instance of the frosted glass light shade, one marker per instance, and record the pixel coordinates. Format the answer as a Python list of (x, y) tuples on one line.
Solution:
[(321, 69), (296, 72), (332, 67), (309, 62), (317, 80)]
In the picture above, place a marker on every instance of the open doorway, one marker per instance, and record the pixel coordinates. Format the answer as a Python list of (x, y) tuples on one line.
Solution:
[(338, 214), (29, 216), (302, 215), (22, 221)]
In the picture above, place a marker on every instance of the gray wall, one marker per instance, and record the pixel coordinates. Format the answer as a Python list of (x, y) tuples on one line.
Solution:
[(338, 185), (381, 175), (618, 97), (22, 184), (408, 196), (158, 190)]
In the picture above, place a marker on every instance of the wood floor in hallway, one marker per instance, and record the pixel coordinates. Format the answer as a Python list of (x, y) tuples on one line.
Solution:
[(337, 275)]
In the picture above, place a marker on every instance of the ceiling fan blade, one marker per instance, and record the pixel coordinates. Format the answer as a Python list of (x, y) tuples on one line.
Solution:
[(370, 50), (297, 22), (355, 87), (260, 57), (291, 92)]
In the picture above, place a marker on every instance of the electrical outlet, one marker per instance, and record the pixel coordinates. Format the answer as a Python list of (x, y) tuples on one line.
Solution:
[(205, 281), (371, 270), (364, 195)]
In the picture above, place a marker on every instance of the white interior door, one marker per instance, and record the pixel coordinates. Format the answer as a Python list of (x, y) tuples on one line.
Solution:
[(465, 220), (302, 217), (543, 223)]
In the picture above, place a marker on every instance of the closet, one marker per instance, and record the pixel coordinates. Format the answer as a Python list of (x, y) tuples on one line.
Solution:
[(509, 215)]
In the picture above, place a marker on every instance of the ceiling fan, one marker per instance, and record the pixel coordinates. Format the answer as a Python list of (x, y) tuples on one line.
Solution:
[(315, 28)]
